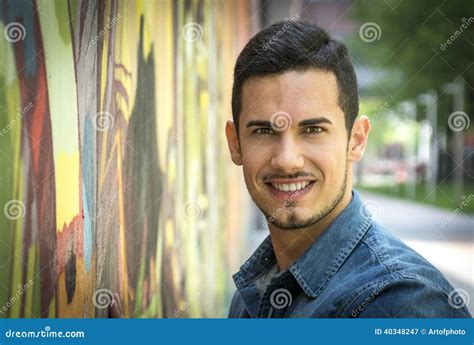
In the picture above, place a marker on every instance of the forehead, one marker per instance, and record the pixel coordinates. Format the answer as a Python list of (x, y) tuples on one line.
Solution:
[(299, 93)]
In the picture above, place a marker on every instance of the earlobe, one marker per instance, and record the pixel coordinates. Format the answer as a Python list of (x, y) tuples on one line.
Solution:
[(233, 142), (359, 137)]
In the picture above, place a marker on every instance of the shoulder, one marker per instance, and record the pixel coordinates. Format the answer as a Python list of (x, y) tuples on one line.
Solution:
[(237, 306), (404, 296), (398, 282), (398, 259)]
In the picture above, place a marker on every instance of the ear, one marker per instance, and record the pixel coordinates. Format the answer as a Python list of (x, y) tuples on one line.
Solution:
[(233, 142), (358, 139)]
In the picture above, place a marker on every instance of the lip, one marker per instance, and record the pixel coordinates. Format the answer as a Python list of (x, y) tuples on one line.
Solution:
[(289, 180), (282, 196)]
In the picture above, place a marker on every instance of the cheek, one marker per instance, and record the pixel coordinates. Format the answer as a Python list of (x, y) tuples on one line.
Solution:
[(251, 170), (332, 164), (254, 160)]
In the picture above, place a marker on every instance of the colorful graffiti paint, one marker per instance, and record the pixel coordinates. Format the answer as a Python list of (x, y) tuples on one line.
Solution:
[(114, 171)]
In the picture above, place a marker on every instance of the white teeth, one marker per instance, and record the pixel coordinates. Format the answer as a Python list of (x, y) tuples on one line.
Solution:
[(292, 187)]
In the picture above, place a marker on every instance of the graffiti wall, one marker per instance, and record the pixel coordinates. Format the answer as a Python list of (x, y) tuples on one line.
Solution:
[(114, 171)]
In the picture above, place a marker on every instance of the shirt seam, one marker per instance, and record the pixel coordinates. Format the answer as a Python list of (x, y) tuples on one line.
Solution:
[(342, 257), (379, 253)]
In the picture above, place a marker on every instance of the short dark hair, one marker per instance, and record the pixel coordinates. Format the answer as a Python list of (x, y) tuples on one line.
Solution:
[(296, 46)]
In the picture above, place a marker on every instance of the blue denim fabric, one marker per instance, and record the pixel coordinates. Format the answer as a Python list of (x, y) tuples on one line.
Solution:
[(356, 268)]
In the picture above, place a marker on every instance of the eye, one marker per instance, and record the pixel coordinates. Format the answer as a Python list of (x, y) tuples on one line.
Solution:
[(264, 130), (313, 130)]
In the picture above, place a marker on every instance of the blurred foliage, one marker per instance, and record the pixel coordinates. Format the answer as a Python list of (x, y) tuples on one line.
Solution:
[(408, 58), (387, 127), (443, 199)]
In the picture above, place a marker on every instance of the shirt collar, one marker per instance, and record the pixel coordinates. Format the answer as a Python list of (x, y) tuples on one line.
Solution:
[(320, 262)]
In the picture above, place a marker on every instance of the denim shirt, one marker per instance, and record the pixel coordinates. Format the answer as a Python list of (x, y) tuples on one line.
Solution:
[(356, 268)]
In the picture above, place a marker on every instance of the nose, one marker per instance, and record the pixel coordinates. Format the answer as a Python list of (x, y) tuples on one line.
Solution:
[(287, 155)]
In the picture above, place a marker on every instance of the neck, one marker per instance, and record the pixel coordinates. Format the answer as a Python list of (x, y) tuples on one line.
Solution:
[(290, 244)]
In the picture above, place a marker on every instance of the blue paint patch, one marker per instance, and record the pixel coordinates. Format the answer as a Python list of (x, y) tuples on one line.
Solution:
[(22, 12), (88, 182)]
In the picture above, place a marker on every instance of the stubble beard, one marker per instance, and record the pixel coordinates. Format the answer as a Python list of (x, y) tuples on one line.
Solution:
[(292, 222)]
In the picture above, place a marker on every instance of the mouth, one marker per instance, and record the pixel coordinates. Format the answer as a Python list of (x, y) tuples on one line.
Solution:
[(290, 189)]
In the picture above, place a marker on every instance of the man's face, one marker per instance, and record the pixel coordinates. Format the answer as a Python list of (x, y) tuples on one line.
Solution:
[(293, 146)]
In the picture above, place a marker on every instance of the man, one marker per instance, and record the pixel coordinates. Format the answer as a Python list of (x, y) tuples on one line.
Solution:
[(296, 136)]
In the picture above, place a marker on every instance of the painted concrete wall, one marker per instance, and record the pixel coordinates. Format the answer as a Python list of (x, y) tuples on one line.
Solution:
[(114, 171)]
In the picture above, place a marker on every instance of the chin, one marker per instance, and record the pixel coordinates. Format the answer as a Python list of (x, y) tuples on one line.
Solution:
[(292, 221)]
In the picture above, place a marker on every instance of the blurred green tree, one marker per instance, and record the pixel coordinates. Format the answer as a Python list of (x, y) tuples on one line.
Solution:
[(418, 45)]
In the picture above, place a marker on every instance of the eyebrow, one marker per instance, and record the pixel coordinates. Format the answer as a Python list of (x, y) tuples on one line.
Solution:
[(315, 121), (304, 123)]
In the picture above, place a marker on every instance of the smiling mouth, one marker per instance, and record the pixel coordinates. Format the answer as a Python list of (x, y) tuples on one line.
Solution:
[(290, 187)]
